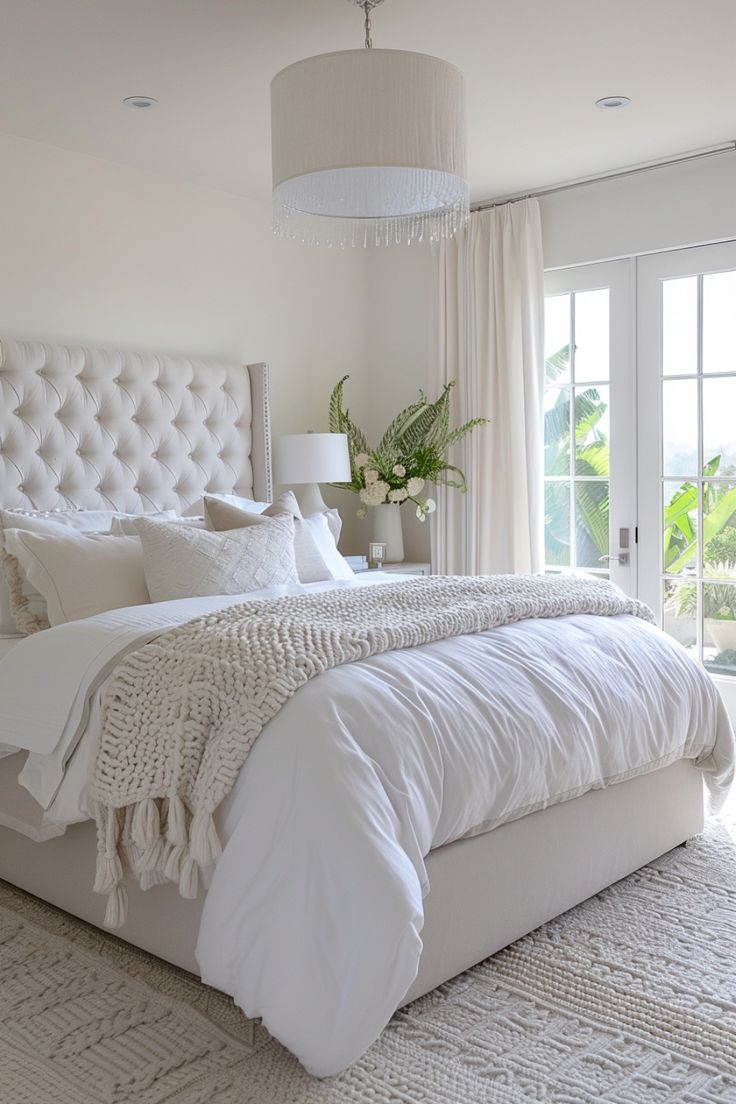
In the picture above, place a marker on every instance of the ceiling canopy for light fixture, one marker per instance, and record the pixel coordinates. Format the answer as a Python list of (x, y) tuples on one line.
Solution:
[(368, 147)]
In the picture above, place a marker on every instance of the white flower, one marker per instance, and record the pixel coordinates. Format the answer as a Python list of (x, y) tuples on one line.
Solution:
[(398, 495), (425, 506), (399, 469), (370, 475), (362, 512), (374, 494), (362, 460), (414, 486)]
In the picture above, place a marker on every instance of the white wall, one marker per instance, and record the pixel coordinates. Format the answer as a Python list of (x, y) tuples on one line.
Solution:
[(398, 345), (687, 204), (100, 253)]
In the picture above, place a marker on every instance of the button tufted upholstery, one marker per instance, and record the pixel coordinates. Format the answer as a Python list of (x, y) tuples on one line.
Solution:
[(99, 429)]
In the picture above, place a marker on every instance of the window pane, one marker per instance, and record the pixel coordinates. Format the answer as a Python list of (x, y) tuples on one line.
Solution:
[(719, 627), (719, 322), (680, 326), (591, 522), (557, 524), (680, 521), (719, 529), (591, 335), (592, 431), (557, 431), (719, 423), (557, 338), (680, 427), (680, 612)]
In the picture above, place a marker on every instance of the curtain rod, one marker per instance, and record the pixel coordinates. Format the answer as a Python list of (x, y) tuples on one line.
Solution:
[(615, 174)]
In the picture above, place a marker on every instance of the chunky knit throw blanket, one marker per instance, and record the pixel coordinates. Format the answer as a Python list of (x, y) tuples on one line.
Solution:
[(182, 713)]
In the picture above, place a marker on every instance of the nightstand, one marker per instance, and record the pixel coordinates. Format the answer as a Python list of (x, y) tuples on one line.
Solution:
[(402, 568)]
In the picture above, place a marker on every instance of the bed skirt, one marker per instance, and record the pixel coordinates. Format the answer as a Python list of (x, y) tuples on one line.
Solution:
[(486, 891)]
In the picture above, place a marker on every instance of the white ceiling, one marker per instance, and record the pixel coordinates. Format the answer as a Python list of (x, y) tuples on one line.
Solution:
[(533, 69)]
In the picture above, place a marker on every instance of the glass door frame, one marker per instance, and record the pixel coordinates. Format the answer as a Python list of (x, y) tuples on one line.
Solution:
[(652, 271), (620, 278)]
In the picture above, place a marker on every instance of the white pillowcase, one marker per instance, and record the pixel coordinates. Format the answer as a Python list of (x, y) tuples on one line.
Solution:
[(22, 606), (185, 562), (320, 527), (80, 574)]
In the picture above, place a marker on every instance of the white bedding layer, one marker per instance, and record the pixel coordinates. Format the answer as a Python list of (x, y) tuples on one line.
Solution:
[(6, 644), (314, 913)]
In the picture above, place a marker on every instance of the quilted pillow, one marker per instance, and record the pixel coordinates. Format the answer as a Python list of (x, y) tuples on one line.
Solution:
[(185, 562)]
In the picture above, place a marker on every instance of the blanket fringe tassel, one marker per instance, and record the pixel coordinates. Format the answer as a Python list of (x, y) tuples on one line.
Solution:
[(158, 840)]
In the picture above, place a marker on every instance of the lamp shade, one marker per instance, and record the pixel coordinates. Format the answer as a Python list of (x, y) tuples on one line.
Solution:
[(369, 147), (313, 458)]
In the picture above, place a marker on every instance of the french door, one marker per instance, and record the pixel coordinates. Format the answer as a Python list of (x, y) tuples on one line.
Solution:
[(640, 438), (687, 450), (590, 414)]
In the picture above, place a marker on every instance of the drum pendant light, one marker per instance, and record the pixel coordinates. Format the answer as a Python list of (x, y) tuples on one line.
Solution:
[(368, 147)]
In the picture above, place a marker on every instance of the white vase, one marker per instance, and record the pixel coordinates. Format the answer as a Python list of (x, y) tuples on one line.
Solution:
[(386, 528)]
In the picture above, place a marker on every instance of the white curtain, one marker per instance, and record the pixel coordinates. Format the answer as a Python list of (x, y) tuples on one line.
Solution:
[(489, 339)]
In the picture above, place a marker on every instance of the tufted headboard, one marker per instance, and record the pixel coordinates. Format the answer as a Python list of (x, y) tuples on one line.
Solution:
[(101, 429)]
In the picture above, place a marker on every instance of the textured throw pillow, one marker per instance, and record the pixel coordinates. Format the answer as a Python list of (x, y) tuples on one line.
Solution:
[(184, 562), (315, 551), (80, 574)]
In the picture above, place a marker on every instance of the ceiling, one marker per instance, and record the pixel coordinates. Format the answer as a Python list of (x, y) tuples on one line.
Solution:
[(533, 70)]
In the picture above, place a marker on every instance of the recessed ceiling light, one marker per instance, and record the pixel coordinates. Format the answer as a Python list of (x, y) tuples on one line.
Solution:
[(140, 103), (611, 102)]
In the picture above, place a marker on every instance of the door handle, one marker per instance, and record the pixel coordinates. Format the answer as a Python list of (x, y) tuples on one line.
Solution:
[(621, 558)]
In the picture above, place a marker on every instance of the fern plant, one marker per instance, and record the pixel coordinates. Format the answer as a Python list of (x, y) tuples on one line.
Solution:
[(411, 453)]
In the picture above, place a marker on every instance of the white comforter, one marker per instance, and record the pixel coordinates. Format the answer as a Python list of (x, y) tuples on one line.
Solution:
[(314, 913)]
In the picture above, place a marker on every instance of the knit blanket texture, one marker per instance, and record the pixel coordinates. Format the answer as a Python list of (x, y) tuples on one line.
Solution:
[(182, 713)]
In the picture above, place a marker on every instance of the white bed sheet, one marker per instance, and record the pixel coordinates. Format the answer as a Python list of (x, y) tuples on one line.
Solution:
[(7, 643), (314, 914)]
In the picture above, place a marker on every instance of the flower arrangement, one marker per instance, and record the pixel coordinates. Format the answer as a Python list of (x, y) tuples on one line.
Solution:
[(411, 453)]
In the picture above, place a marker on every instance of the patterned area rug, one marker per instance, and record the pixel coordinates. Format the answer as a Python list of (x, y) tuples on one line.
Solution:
[(628, 999)]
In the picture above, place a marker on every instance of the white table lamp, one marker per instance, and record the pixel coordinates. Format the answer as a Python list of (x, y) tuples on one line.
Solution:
[(310, 459)]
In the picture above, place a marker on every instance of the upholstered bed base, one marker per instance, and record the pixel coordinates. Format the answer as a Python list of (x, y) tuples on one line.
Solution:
[(486, 892)]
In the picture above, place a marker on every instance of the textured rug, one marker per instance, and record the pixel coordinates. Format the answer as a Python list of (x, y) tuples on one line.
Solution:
[(628, 999)]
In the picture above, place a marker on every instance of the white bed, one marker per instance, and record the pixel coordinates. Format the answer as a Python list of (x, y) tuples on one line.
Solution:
[(145, 432)]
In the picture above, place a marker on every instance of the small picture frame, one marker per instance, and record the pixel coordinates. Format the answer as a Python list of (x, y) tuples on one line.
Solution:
[(376, 553)]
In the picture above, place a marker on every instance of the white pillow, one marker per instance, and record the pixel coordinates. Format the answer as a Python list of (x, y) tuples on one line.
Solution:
[(80, 574), (22, 607), (320, 528), (185, 562)]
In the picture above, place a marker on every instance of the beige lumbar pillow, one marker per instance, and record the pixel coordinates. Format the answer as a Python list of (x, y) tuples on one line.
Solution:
[(185, 562), (221, 516), (79, 574), (311, 563)]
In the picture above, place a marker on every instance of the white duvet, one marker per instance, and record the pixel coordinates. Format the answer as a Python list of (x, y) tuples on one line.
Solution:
[(314, 913)]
